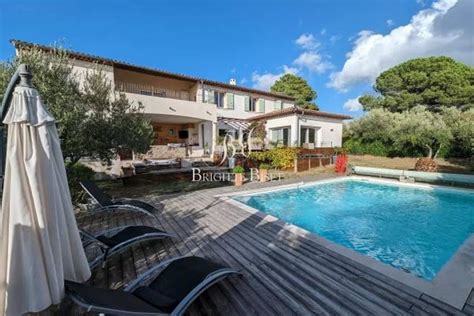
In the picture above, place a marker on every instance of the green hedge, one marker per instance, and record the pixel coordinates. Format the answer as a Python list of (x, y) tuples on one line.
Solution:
[(278, 157), (376, 148)]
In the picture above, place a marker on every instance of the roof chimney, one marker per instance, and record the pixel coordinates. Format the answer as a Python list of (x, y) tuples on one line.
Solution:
[(232, 82)]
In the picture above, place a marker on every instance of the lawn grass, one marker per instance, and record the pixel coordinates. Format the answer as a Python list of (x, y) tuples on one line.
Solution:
[(162, 185), (143, 187), (444, 165)]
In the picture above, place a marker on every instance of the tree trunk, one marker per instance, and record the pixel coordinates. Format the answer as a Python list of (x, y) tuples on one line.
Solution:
[(437, 152), (430, 152)]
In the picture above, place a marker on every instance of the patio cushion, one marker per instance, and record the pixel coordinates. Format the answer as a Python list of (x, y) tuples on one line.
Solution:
[(126, 234), (157, 299), (181, 276), (106, 298)]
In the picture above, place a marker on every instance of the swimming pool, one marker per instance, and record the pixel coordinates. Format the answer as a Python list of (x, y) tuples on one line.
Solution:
[(416, 229)]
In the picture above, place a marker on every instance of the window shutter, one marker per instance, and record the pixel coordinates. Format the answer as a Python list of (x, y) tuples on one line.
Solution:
[(278, 105), (209, 96), (230, 101), (247, 103), (261, 105)]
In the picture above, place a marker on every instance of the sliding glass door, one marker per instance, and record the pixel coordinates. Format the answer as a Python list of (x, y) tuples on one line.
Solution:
[(281, 136), (308, 135)]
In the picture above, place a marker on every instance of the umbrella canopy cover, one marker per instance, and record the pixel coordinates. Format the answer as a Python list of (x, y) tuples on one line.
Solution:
[(40, 245)]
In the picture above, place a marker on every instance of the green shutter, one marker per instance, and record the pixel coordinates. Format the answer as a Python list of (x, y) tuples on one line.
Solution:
[(261, 105), (278, 105), (247, 103), (230, 101)]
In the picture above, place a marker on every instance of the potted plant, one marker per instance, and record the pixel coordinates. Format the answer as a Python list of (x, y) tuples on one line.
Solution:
[(263, 171), (239, 175)]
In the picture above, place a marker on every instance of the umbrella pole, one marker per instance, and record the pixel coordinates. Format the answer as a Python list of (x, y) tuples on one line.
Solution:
[(23, 72)]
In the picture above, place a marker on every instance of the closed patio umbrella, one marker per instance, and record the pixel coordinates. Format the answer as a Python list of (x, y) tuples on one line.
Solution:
[(40, 245)]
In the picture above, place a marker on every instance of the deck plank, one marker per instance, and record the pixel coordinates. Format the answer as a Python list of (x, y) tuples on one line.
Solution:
[(283, 273)]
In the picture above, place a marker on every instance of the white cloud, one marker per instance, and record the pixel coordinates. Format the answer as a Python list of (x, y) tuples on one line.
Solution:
[(307, 41), (444, 29), (310, 58), (334, 38), (312, 61), (421, 2), (323, 32), (353, 105), (266, 80), (389, 22)]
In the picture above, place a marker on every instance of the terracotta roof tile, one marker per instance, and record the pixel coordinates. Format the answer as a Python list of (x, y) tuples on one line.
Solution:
[(298, 110), (129, 66)]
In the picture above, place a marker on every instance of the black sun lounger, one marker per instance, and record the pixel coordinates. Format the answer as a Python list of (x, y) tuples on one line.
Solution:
[(166, 289), (116, 240), (105, 202)]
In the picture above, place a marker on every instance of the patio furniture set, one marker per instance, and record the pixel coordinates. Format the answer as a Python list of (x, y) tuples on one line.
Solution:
[(168, 288)]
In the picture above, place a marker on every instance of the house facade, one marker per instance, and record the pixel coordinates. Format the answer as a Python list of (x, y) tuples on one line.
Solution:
[(190, 114)]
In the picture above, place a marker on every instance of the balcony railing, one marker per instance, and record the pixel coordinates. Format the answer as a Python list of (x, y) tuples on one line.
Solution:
[(152, 90)]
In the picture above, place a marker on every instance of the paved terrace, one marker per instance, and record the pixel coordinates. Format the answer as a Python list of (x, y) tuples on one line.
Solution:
[(284, 273)]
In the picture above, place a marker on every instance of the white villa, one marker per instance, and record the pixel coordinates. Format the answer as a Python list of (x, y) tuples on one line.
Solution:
[(196, 111)]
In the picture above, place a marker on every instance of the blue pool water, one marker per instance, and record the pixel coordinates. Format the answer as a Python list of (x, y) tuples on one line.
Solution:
[(410, 228)]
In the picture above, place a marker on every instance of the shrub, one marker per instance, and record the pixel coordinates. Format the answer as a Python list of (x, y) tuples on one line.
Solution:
[(259, 156), (238, 169), (278, 157), (265, 166), (375, 148), (75, 173)]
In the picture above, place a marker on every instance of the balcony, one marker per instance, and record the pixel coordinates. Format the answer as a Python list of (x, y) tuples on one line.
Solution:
[(167, 105), (154, 91)]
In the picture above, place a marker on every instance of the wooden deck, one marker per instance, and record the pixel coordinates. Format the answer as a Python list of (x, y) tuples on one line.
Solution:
[(284, 273)]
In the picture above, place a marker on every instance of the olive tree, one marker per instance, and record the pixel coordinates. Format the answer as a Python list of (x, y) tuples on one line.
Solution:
[(461, 125), (419, 130), (93, 120)]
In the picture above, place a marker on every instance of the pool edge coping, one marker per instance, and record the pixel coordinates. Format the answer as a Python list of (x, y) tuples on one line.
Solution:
[(452, 284)]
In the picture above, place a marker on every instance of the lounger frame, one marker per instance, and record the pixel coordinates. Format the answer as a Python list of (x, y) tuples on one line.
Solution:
[(210, 280), (108, 251), (113, 207)]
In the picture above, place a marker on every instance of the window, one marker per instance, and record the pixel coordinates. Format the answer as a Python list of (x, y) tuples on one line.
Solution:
[(230, 101), (210, 96), (251, 104), (247, 103), (220, 99), (308, 135), (281, 136)]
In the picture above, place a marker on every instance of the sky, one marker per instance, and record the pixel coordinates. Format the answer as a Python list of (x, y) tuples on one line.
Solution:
[(338, 46)]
